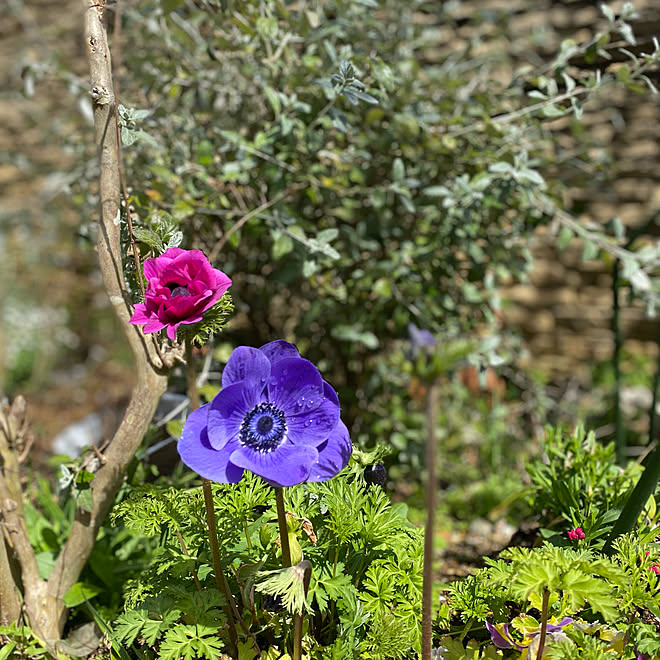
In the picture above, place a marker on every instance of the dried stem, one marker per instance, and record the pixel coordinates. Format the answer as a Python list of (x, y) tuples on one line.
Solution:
[(544, 623), (10, 598), (427, 588)]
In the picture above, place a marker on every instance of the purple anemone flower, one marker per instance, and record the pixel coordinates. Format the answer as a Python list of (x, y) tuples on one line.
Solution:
[(421, 342), (181, 286), (274, 416)]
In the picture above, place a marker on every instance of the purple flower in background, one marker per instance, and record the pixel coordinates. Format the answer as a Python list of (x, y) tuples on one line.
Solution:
[(274, 416), (420, 340), (181, 286)]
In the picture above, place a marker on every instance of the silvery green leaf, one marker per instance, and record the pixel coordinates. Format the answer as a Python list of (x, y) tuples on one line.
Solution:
[(608, 13), (175, 240), (327, 235), (626, 32), (143, 136), (65, 478), (309, 268), (398, 170), (127, 136), (640, 281), (570, 83), (500, 166), (618, 228), (553, 110), (367, 98), (437, 191), (339, 120), (350, 95), (589, 251), (149, 237)]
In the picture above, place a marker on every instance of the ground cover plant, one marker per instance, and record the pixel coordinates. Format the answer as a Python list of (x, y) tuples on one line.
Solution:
[(339, 203)]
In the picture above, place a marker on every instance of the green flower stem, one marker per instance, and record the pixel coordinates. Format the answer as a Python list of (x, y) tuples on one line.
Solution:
[(247, 534), (230, 609), (427, 588), (220, 579), (286, 562), (284, 531), (544, 623)]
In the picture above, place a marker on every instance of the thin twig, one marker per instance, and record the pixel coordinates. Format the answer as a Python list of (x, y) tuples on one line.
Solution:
[(241, 221), (427, 585)]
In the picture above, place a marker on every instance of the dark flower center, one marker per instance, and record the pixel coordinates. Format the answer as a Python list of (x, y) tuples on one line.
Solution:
[(263, 428), (178, 289)]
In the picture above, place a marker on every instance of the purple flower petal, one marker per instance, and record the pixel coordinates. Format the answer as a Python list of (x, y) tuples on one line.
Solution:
[(333, 455), (248, 365), (552, 627), (501, 639), (279, 349), (315, 427), (287, 465), (295, 386), (197, 453), (227, 411)]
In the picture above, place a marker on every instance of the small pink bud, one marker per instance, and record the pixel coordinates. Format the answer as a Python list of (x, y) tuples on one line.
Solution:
[(655, 568), (575, 534)]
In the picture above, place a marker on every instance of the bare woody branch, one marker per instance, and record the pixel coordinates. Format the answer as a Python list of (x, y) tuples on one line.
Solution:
[(151, 381)]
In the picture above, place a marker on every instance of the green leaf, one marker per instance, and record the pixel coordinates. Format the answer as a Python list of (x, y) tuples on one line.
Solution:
[(355, 334), (282, 245), (149, 237), (128, 136), (182, 209), (566, 235), (6, 650), (84, 499), (590, 250), (45, 563), (209, 392), (398, 170), (607, 12), (274, 99), (174, 428), (327, 235), (80, 592)]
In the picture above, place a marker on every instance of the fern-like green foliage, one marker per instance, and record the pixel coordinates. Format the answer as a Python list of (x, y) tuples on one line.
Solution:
[(215, 319), (575, 577), (603, 595), (364, 598)]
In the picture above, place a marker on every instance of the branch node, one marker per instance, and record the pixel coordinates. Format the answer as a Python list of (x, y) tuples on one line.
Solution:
[(101, 94)]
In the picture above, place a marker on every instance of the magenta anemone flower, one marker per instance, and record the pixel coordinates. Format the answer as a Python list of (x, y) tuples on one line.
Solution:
[(181, 286), (274, 416)]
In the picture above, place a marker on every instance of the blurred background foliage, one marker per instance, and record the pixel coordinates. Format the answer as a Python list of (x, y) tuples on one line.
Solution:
[(354, 166)]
